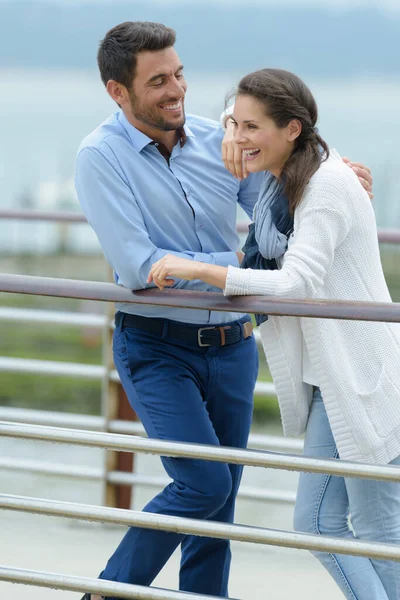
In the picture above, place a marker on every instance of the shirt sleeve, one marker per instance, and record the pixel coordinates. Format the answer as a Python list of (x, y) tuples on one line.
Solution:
[(111, 209), (248, 192), (320, 231), (225, 114)]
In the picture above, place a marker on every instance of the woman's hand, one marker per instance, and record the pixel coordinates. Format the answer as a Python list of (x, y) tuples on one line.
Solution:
[(171, 266), (232, 153), (364, 175)]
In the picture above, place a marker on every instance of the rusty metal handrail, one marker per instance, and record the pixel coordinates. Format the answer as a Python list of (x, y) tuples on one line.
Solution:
[(386, 236), (109, 292)]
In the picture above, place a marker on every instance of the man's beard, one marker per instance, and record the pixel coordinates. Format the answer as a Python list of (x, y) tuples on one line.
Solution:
[(148, 117)]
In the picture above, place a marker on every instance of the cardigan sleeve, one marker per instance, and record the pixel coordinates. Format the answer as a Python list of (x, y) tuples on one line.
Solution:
[(320, 230)]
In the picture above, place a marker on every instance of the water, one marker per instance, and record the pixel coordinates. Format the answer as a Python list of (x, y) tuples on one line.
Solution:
[(45, 115)]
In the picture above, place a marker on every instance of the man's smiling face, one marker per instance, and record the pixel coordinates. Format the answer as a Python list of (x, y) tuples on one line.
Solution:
[(158, 90)]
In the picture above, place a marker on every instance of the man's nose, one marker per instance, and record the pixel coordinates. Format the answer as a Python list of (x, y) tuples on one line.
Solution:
[(177, 88)]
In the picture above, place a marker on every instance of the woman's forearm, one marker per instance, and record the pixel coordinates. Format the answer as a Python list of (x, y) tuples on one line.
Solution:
[(212, 274)]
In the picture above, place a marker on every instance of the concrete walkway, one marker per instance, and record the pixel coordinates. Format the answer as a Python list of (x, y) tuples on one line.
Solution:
[(55, 545)]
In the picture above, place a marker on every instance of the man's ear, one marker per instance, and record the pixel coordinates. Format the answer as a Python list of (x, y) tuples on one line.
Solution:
[(294, 129), (117, 91)]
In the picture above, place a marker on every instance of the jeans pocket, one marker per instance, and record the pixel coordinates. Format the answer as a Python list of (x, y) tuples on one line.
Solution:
[(382, 405)]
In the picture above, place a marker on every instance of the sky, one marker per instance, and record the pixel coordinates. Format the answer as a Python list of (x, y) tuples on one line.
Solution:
[(391, 5)]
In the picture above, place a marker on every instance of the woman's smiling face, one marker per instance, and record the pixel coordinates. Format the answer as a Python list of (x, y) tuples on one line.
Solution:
[(265, 146)]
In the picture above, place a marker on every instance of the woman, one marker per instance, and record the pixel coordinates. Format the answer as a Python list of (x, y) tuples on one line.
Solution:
[(336, 380)]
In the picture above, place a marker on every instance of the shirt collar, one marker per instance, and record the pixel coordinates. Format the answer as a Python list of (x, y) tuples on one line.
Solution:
[(141, 140)]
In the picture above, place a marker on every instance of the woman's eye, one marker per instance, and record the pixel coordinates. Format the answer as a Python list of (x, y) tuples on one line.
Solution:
[(251, 126)]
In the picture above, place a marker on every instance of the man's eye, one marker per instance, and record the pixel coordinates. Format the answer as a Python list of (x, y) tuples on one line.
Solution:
[(157, 83), (179, 75)]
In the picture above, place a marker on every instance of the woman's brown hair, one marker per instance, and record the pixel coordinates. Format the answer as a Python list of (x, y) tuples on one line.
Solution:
[(286, 97)]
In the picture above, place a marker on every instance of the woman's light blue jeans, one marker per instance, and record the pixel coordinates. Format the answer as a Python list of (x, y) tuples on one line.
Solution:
[(325, 505)]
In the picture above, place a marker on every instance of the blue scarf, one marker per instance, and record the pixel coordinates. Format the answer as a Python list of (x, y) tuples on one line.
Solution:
[(268, 235)]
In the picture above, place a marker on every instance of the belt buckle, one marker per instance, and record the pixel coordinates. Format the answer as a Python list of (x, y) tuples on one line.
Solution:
[(199, 333)]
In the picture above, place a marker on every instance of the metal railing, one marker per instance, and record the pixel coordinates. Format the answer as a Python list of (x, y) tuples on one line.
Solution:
[(94, 586), (113, 441), (387, 236)]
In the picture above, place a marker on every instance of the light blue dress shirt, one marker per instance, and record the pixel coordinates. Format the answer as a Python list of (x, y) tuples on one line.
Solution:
[(142, 208)]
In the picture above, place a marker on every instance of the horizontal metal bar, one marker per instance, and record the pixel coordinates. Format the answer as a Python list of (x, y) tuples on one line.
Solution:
[(109, 292), (389, 236), (214, 529), (384, 235), (251, 458), (61, 419), (60, 581), (42, 215), (36, 316), (51, 367), (38, 467), (85, 371), (96, 423)]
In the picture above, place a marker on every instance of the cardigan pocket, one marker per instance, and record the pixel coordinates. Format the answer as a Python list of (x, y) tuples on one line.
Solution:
[(383, 405)]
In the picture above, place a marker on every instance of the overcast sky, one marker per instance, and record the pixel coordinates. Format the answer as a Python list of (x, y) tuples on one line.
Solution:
[(387, 6), (333, 4)]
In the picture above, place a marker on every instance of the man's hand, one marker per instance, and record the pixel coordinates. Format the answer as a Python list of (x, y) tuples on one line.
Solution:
[(232, 154), (364, 175)]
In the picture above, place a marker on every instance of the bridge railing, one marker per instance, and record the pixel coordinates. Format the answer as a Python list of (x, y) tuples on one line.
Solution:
[(107, 292), (105, 431), (118, 476)]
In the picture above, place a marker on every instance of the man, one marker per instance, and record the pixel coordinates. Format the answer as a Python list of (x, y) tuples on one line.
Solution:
[(152, 183)]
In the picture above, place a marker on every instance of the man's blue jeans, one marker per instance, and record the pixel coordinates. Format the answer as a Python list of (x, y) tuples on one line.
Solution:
[(325, 504), (188, 394)]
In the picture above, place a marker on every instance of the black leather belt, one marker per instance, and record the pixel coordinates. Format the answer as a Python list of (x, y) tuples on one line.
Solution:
[(209, 335)]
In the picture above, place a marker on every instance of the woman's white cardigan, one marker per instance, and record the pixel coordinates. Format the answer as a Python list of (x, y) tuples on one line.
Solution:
[(333, 254)]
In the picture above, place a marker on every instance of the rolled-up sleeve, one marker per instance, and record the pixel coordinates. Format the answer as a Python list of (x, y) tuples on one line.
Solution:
[(111, 209)]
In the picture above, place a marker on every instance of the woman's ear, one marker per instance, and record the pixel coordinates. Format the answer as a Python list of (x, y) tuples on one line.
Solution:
[(294, 129)]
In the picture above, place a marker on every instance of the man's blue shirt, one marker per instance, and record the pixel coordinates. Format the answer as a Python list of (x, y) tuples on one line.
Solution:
[(142, 206)]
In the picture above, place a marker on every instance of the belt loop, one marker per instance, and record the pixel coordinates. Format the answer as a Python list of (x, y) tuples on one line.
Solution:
[(247, 329), (164, 332), (121, 318)]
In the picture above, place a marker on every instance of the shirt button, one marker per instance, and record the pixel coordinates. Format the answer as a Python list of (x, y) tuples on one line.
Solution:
[(156, 144)]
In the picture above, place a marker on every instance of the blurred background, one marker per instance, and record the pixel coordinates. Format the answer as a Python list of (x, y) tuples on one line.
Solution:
[(51, 96)]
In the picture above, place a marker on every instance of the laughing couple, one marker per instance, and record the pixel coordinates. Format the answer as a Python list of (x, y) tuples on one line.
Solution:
[(152, 184)]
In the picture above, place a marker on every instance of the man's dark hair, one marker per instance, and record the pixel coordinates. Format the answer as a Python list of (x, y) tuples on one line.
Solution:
[(118, 51)]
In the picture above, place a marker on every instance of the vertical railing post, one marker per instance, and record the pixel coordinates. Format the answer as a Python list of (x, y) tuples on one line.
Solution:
[(115, 405)]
